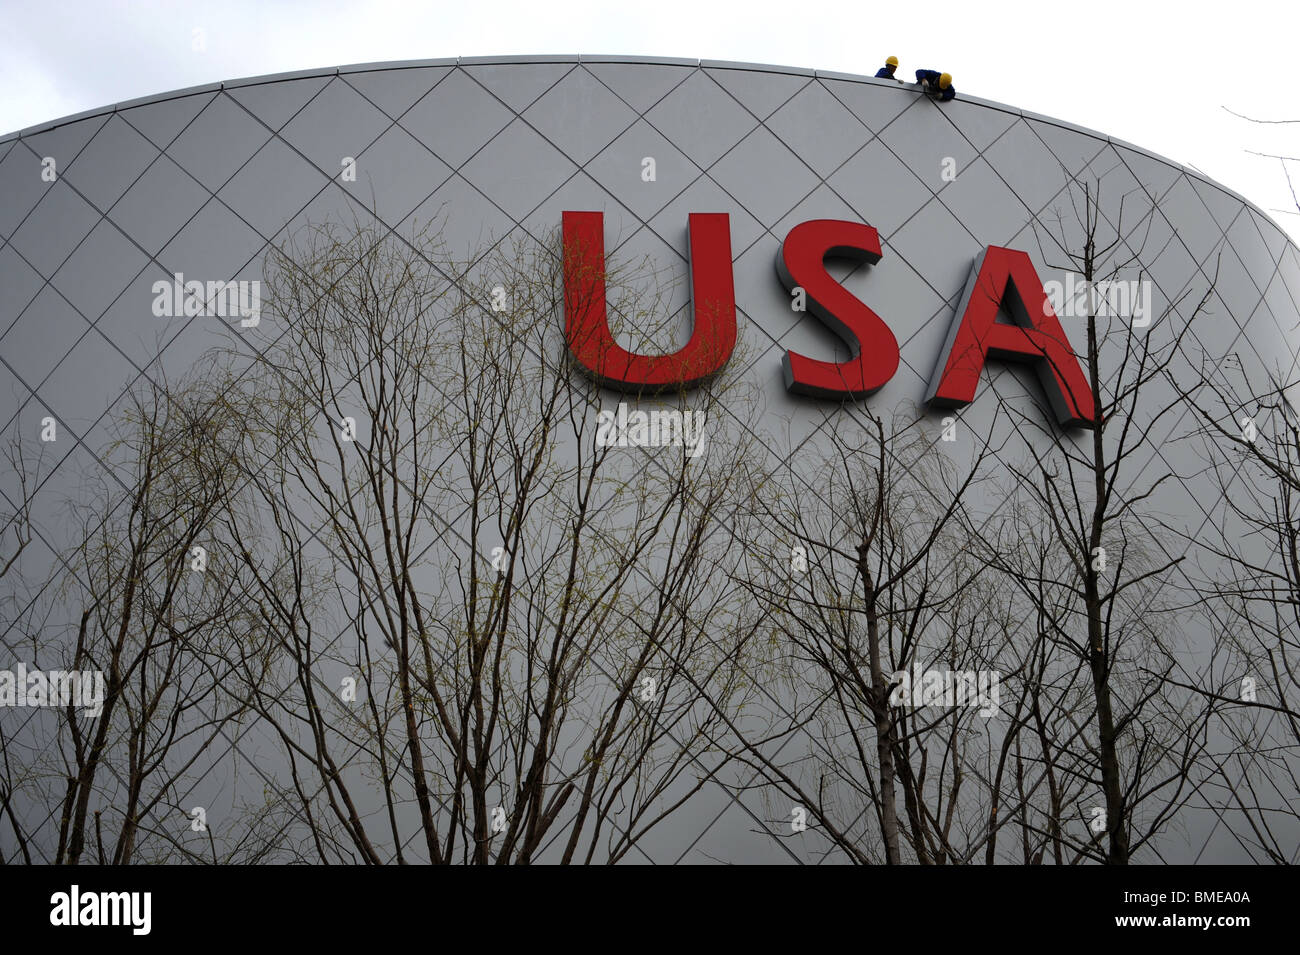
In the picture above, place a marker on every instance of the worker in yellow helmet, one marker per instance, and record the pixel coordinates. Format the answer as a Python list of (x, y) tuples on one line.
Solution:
[(936, 85), (886, 72)]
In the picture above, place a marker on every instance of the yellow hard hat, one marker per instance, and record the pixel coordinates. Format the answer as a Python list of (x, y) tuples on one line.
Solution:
[(945, 80), (892, 61)]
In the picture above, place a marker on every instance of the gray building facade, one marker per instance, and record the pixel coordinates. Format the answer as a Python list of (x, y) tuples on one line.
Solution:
[(97, 209)]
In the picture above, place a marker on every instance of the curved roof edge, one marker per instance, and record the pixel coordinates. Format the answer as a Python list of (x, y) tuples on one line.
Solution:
[(654, 60)]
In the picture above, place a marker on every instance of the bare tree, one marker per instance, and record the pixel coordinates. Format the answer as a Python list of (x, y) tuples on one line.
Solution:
[(1250, 579), (1089, 554), (494, 630), (861, 566), (136, 602)]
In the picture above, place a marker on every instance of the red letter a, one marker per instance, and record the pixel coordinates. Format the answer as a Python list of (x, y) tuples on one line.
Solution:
[(1006, 277)]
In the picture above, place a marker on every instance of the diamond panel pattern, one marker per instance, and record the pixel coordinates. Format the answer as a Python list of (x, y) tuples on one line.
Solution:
[(456, 118), (198, 184), (396, 91), (519, 170), (621, 169), (880, 186), (59, 223), (819, 128), (336, 123), (218, 142), (277, 103), (766, 200), (113, 160), (92, 276), (701, 119), (580, 116), (759, 92)]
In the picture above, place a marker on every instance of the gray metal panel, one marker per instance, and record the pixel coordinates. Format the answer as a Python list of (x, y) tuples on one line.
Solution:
[(620, 169), (215, 241), (396, 91), (45, 332), (883, 190), (94, 274), (87, 384), (466, 216), (456, 119), (639, 84), (518, 86), (705, 195), (819, 128), (1028, 166), (275, 104), (129, 323), (760, 93), (338, 122), (162, 121), (56, 226), (218, 142), (395, 174), (875, 104), (110, 163), (980, 125), (768, 199), (19, 284), (520, 170), (701, 119), (980, 198), (158, 205), (271, 187), (938, 246), (1196, 228), (1074, 148), (580, 115)]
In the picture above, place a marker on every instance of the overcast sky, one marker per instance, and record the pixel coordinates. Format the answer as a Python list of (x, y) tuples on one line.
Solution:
[(1161, 75)]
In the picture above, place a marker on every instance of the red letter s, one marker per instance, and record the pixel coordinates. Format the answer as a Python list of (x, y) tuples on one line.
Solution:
[(801, 263)]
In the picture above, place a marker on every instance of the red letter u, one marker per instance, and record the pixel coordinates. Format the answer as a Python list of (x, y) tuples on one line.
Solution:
[(586, 322)]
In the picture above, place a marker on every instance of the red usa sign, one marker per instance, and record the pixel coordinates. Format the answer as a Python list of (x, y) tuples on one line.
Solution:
[(1000, 278)]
